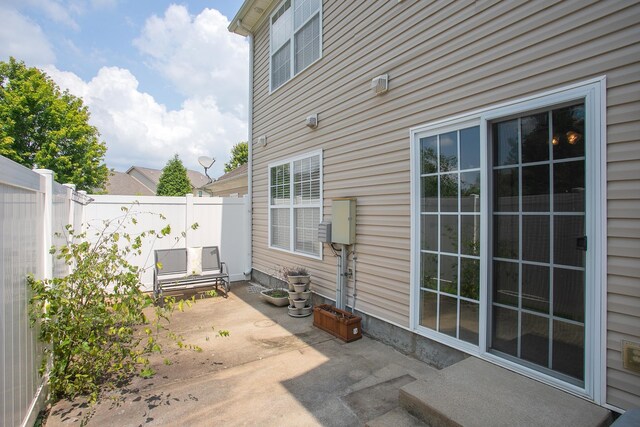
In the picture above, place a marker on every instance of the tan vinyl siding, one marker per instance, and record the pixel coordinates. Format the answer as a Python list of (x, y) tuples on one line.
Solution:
[(230, 186), (445, 58)]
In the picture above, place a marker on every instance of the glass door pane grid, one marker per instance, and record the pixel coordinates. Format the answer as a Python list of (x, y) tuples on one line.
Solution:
[(538, 264), (442, 213), (551, 248), (538, 213), (519, 260), (541, 314), (542, 163)]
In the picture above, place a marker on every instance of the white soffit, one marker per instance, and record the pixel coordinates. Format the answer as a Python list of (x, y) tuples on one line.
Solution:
[(249, 16)]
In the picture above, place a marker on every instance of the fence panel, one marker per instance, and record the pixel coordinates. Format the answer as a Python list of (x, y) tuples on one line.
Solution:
[(34, 212), (21, 248), (221, 222), (33, 208)]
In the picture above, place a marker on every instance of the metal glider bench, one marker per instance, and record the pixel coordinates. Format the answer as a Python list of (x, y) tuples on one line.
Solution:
[(170, 270)]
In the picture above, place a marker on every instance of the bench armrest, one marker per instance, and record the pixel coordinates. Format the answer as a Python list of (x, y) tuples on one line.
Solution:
[(223, 268)]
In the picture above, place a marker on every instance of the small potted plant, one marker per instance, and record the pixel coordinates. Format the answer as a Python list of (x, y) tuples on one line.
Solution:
[(296, 276), (300, 303), (276, 296), (299, 294)]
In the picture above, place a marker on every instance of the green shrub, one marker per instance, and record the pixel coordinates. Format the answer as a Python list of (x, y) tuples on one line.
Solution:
[(93, 321)]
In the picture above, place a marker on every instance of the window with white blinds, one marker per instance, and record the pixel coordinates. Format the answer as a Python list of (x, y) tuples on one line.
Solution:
[(295, 204), (296, 38)]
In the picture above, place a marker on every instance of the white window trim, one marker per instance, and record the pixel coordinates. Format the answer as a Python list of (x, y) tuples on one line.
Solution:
[(291, 41), (593, 92), (291, 206)]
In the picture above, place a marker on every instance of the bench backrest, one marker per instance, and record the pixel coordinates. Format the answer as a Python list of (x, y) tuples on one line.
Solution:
[(210, 258), (174, 261)]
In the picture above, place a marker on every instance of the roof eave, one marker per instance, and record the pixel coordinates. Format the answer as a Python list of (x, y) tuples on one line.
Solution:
[(251, 11), (236, 25)]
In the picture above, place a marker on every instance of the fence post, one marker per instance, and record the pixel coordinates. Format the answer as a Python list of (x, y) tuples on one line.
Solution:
[(72, 209), (83, 218), (47, 223), (188, 219), (72, 215)]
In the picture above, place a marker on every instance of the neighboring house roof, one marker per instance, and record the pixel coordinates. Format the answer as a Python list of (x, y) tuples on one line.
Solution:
[(233, 182), (197, 179), (139, 181), (123, 184), (240, 170)]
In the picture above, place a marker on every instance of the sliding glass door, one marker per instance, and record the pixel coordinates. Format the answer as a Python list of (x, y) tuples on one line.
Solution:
[(538, 243)]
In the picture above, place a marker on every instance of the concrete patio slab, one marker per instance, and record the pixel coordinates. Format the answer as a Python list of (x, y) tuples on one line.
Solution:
[(273, 370)]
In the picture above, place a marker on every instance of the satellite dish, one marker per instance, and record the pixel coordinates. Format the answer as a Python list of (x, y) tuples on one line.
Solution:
[(206, 162)]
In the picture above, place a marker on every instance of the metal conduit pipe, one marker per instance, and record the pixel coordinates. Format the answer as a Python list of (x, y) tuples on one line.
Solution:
[(338, 278), (353, 267), (343, 277)]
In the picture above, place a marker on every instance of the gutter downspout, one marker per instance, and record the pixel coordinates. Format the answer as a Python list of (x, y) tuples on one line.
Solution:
[(250, 161)]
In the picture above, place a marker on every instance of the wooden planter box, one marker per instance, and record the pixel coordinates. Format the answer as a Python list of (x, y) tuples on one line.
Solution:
[(339, 323)]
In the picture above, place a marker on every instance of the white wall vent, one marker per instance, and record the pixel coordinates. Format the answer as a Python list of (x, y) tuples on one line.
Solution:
[(380, 84), (312, 121), (262, 140)]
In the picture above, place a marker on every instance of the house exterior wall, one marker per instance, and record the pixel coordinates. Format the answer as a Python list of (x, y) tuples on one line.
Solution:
[(444, 59), (228, 187)]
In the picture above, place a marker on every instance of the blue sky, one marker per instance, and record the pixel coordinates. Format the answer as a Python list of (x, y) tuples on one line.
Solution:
[(159, 77)]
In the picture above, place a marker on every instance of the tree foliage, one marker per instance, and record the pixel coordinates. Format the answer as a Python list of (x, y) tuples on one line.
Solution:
[(41, 125), (239, 156), (174, 180)]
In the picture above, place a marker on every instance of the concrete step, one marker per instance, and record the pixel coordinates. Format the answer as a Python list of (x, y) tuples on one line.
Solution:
[(397, 417), (477, 393), (374, 401)]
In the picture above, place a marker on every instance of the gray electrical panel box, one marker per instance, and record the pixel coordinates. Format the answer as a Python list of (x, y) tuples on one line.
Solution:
[(343, 221), (324, 232)]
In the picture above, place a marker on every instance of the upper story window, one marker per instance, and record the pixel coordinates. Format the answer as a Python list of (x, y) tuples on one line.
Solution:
[(296, 40)]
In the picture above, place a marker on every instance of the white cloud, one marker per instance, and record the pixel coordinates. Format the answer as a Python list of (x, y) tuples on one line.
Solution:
[(140, 131), (199, 56), (196, 54), (23, 39), (62, 11), (57, 11)]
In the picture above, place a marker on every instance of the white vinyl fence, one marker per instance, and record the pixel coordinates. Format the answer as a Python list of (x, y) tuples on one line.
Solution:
[(220, 222), (33, 209), (34, 213)]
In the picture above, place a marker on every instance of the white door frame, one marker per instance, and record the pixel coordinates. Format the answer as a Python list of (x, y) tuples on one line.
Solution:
[(593, 92)]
